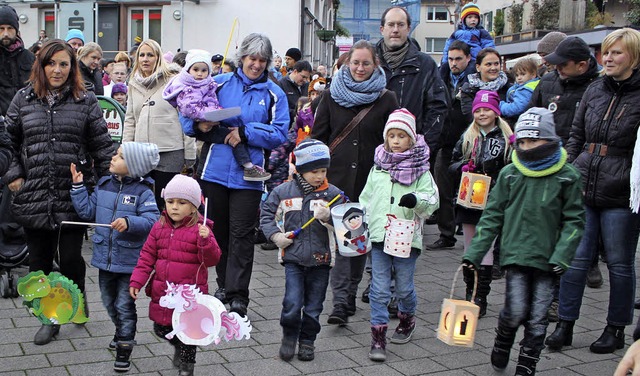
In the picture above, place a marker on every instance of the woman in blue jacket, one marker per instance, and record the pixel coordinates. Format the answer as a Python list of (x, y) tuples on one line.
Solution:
[(233, 201)]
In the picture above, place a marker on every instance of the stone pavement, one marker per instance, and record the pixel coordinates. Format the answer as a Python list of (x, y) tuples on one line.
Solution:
[(82, 350)]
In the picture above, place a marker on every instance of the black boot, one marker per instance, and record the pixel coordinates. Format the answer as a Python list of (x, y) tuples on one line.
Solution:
[(45, 334), (612, 339), (351, 305), (339, 315), (527, 361), (468, 275), (123, 356), (502, 347), (484, 288), (186, 369), (562, 336)]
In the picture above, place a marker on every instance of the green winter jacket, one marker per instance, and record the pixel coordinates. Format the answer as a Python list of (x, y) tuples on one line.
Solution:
[(541, 218), (381, 197)]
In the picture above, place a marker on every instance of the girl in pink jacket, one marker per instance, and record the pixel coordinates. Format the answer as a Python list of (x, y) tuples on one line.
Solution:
[(179, 249)]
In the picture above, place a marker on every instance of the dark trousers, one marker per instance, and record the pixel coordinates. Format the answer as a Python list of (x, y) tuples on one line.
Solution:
[(187, 352), (234, 213), (161, 179), (42, 246), (446, 189), (304, 293), (345, 277), (114, 288)]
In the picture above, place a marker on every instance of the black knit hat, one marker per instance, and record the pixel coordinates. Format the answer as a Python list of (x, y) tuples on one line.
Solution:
[(8, 16), (294, 53)]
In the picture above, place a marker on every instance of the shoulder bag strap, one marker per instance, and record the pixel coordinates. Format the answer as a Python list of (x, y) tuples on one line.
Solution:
[(352, 125)]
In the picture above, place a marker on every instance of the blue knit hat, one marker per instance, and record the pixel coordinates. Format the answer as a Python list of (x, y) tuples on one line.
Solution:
[(140, 157), (311, 155), (73, 34)]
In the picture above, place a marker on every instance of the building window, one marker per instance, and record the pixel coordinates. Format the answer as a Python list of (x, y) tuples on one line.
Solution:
[(437, 14), (361, 9), (435, 45), (487, 22), (360, 36), (145, 23), (49, 25)]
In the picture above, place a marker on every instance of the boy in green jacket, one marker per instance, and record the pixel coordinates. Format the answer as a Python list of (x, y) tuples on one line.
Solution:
[(537, 206)]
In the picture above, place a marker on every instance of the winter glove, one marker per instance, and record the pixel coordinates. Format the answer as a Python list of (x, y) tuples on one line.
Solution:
[(281, 239), (469, 167), (322, 213), (557, 269), (468, 264), (408, 201)]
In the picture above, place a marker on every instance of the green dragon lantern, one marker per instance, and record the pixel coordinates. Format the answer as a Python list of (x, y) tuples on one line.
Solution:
[(53, 298)]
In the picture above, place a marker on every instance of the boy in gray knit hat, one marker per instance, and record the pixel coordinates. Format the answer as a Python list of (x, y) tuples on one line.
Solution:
[(125, 203), (537, 206)]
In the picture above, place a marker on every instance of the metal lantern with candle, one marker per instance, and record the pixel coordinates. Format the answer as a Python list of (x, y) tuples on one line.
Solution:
[(473, 190), (459, 318)]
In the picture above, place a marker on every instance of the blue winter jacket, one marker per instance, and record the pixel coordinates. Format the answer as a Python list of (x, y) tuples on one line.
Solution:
[(518, 97), (263, 124), (477, 39), (132, 199)]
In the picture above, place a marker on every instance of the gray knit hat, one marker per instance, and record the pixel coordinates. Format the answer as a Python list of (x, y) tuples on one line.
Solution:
[(549, 42), (140, 157), (536, 123)]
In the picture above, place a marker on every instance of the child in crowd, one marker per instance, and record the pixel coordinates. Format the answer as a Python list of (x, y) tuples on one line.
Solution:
[(125, 201), (308, 258), (193, 91), (484, 148), (179, 250), (469, 31), (519, 95), (119, 93), (537, 206), (399, 184)]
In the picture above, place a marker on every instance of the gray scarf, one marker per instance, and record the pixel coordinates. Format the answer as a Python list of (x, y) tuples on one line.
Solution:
[(495, 85), (394, 57)]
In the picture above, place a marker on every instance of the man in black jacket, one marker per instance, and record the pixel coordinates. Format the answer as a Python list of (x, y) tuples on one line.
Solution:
[(295, 85), (460, 66), (15, 60)]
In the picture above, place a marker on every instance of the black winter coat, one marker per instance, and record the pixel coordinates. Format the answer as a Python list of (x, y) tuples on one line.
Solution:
[(293, 93), (609, 115), (456, 122), (420, 90), (566, 94), (15, 68), (352, 159), (6, 151), (47, 140), (92, 80)]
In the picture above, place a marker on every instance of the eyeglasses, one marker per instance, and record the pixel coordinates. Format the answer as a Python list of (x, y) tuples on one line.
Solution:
[(364, 64)]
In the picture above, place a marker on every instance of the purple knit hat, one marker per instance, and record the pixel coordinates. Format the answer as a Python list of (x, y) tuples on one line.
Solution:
[(119, 88), (184, 187), (487, 99)]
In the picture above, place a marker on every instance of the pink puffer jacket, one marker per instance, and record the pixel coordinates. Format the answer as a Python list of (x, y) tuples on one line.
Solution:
[(175, 254)]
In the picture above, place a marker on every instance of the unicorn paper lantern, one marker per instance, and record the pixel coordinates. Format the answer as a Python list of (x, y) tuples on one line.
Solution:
[(198, 319)]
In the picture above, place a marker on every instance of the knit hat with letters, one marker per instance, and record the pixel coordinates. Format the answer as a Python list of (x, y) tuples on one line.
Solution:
[(311, 155), (487, 99), (183, 187), (140, 157), (536, 123), (401, 119)]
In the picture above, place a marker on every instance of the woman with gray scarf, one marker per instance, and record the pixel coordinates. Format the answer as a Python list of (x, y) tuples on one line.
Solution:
[(358, 86)]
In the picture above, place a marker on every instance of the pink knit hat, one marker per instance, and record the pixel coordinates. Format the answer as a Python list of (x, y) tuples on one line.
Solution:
[(401, 119), (183, 187), (487, 99)]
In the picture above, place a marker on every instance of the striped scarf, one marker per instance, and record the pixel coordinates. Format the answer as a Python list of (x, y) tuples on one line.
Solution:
[(349, 93), (405, 167)]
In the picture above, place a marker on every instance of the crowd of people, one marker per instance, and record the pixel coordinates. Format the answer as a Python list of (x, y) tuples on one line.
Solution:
[(273, 142)]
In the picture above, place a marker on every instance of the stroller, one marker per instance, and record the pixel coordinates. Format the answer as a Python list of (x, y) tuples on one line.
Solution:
[(13, 247)]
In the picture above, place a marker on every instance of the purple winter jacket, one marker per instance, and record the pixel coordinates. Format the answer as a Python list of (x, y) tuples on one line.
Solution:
[(192, 97), (174, 254)]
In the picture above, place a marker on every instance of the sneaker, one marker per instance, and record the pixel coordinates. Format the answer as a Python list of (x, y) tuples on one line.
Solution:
[(338, 316), (113, 343), (256, 173), (123, 356), (305, 352), (442, 244)]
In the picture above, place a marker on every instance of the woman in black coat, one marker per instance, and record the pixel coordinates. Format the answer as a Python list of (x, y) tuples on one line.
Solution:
[(53, 122)]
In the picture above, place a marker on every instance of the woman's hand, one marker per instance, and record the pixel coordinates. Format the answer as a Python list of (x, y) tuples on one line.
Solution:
[(206, 126), (134, 292), (203, 231), (233, 138), (76, 175), (15, 185)]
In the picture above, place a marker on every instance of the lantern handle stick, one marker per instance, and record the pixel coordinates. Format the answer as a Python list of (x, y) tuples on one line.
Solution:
[(475, 282), (295, 233), (84, 224), (206, 206)]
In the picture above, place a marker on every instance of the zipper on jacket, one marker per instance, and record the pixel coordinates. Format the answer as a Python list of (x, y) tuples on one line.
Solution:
[(115, 208)]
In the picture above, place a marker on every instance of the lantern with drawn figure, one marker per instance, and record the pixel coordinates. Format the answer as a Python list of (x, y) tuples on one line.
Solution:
[(351, 229), (458, 318), (473, 190)]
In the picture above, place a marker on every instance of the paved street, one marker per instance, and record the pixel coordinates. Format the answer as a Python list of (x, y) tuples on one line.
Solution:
[(82, 350)]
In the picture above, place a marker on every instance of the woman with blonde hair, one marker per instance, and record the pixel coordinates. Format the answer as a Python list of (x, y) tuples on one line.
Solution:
[(150, 118), (89, 57)]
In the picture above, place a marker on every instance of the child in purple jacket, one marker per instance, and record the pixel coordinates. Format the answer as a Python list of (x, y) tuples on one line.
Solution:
[(193, 92)]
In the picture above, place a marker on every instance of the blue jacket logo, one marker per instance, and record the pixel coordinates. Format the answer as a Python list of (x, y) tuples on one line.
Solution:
[(128, 200)]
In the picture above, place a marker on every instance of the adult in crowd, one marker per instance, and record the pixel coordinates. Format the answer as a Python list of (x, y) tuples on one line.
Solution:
[(57, 105), (350, 119), (118, 76), (489, 77), (216, 64), (601, 146), (291, 57), (460, 67), (14, 58), (150, 118), (295, 85), (89, 57), (75, 38), (545, 47), (233, 201), (412, 75)]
